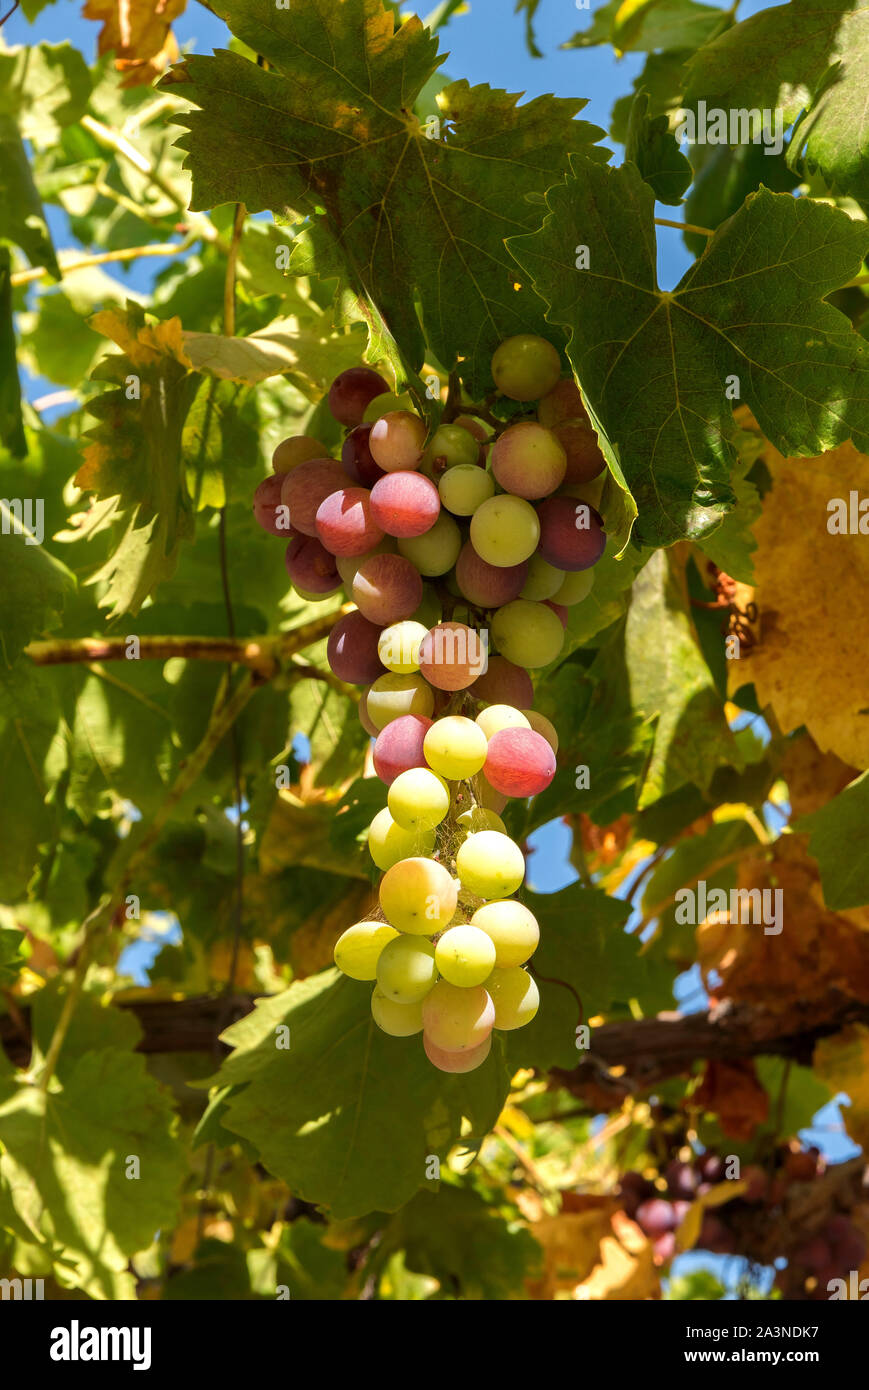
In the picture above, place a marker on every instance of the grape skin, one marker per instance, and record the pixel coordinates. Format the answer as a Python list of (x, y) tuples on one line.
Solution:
[(357, 458), (406, 969), (399, 746), (465, 488), (267, 506), (435, 552), (405, 504), (455, 747), (456, 1019), (530, 634), (452, 656), (387, 588), (358, 949), (497, 717), (351, 650), (310, 566), (346, 524), (515, 997), (297, 449), (525, 367), (468, 1060), (514, 930), (490, 864), (399, 645), (396, 441), (418, 896), (389, 843), (528, 460), (352, 391), (398, 1020), (449, 447), (392, 695), (505, 530), (465, 955), (504, 683), (571, 533), (519, 762), (485, 585), (304, 488), (418, 799)]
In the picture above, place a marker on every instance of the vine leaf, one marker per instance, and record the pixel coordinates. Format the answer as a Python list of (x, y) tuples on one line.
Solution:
[(134, 463), (322, 1113), (328, 128), (139, 33), (802, 56), (309, 356), (655, 366), (838, 842), (656, 153), (63, 1170), (641, 26)]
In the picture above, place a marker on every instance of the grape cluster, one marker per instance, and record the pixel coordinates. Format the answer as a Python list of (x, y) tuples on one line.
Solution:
[(837, 1248), (660, 1213), (461, 555)]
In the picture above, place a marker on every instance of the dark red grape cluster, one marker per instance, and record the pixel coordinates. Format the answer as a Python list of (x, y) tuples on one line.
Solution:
[(660, 1213), (836, 1249)]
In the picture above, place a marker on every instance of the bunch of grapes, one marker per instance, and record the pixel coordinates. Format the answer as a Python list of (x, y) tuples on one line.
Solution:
[(659, 1214), (837, 1248), (461, 555)]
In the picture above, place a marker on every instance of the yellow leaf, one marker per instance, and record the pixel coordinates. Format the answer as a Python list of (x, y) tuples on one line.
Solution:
[(843, 1062)]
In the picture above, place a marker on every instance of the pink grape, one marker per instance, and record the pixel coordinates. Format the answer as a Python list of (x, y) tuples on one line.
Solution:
[(656, 1217), (519, 762), (399, 746), (345, 522), (571, 533), (562, 404), (297, 449), (305, 487), (352, 391), (365, 719), (485, 585), (357, 458), (310, 566), (584, 457), (457, 1019), (396, 440), (405, 504), (387, 588), (560, 609), (469, 1060), (352, 650), (451, 656), (504, 684), (528, 460), (266, 501)]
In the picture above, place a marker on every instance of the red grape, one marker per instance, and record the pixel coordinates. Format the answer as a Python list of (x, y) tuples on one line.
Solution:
[(584, 457), (357, 459), (352, 391), (352, 650), (504, 684), (305, 487), (488, 586), (519, 762), (451, 656), (563, 403), (656, 1217), (266, 504), (399, 746), (571, 533), (528, 460), (310, 566), (387, 588), (405, 504), (396, 440), (345, 522)]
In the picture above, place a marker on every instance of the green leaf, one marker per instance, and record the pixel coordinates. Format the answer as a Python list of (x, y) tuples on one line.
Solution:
[(731, 545), (11, 422), (44, 88), (33, 756), (833, 136), (724, 175), (346, 1115), (310, 356), (583, 945), (11, 959), (837, 840), (326, 129), (455, 1236), (656, 153), (64, 1165), (653, 365), (22, 220), (530, 8), (661, 79), (692, 859), (135, 456), (34, 586), (645, 25), (668, 678)]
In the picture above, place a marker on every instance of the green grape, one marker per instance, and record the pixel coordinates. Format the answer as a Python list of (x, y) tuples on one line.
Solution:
[(450, 446), (398, 646), (455, 747), (525, 367), (382, 405), (389, 842), (465, 955), (478, 818), (456, 1019), (497, 717), (399, 1020), (392, 695), (490, 864), (406, 970), (430, 610), (357, 950), (418, 799), (437, 550), (574, 587), (543, 581), (513, 929), (465, 488), (528, 634), (505, 530), (418, 896), (515, 996)]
